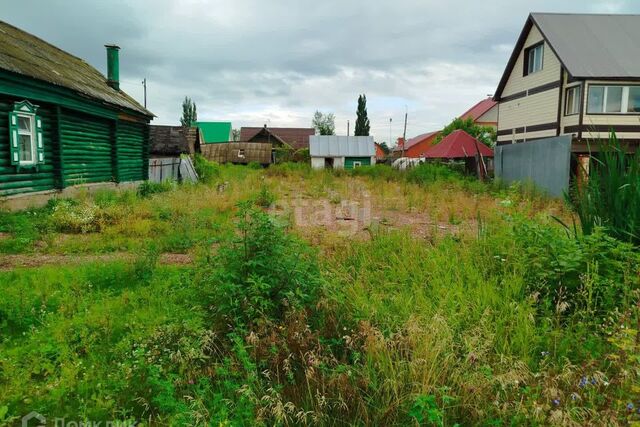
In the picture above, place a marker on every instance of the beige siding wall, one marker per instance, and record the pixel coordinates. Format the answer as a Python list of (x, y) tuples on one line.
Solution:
[(539, 108), (490, 116), (550, 68)]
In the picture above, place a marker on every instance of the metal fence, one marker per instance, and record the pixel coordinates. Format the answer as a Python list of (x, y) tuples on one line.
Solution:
[(543, 162), (163, 169)]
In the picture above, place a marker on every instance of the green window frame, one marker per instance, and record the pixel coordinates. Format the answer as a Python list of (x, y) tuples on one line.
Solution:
[(25, 136)]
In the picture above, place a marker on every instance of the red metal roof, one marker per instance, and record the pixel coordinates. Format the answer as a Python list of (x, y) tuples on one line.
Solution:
[(417, 139), (458, 145), (479, 109)]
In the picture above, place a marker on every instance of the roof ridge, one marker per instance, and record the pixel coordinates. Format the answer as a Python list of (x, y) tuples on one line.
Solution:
[(584, 14)]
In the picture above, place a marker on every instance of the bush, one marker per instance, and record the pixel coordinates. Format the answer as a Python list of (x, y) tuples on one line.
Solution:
[(71, 216), (208, 172), (149, 188), (264, 198), (431, 172), (262, 275)]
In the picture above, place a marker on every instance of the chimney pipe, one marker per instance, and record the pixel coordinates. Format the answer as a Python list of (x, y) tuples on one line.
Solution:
[(113, 66)]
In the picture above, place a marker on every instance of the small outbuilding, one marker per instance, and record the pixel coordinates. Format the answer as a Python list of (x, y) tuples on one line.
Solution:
[(459, 145), (341, 152)]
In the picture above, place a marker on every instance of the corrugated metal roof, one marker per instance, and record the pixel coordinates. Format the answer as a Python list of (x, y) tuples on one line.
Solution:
[(594, 45), (458, 145), (28, 55), (215, 132), (341, 146), (416, 140)]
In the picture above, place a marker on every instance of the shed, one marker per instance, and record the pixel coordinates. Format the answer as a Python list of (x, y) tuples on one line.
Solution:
[(63, 123), (459, 145), (348, 152), (172, 141)]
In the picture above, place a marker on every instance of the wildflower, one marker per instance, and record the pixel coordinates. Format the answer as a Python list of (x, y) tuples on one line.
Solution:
[(544, 353), (630, 406), (583, 382), (594, 381), (556, 402)]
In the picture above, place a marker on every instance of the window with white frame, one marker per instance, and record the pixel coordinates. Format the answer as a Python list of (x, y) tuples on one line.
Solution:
[(357, 164), (534, 58), (25, 136), (572, 100), (613, 99)]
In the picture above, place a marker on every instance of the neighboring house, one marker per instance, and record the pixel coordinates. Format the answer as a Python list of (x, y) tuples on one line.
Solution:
[(338, 152), (573, 74), (238, 152), (62, 122), (296, 138), (173, 141), (215, 132), (380, 154), (484, 113), (417, 147), (168, 146)]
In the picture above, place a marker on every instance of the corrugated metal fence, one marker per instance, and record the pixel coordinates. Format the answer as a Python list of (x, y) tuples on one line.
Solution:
[(544, 162)]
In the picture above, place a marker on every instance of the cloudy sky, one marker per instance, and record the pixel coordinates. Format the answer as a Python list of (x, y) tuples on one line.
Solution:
[(253, 62)]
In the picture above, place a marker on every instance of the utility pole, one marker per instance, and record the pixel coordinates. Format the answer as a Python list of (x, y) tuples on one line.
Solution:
[(404, 134), (390, 120), (347, 127), (144, 85)]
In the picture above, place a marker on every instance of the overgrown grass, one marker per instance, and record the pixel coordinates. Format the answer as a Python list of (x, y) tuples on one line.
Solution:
[(509, 320), (610, 197)]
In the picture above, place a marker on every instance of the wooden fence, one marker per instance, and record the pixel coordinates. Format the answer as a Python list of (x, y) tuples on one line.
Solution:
[(238, 152)]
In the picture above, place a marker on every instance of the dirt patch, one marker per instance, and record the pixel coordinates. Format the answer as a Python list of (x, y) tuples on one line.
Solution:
[(10, 262)]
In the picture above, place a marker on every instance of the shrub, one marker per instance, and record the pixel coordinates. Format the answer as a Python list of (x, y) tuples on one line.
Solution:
[(208, 172), (71, 216), (431, 172), (149, 188), (611, 196), (261, 275), (264, 198)]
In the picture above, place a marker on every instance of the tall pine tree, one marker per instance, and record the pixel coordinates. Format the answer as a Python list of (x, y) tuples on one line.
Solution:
[(189, 113), (362, 121)]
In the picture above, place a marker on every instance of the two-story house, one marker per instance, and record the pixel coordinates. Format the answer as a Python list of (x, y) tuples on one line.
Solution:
[(576, 74)]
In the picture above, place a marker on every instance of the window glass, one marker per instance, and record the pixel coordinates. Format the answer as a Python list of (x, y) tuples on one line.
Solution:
[(24, 124), (26, 151), (572, 105), (534, 59), (596, 99), (614, 99), (634, 99)]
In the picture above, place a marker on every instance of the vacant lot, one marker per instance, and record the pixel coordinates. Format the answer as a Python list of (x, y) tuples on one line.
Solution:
[(290, 297)]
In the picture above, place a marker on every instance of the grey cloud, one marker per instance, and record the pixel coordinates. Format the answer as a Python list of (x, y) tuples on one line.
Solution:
[(249, 60)]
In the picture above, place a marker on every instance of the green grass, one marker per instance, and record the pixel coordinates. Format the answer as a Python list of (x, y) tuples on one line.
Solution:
[(492, 315)]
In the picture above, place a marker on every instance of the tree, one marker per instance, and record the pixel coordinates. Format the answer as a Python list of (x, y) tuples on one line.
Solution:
[(385, 148), (235, 135), (484, 134), (189, 114), (324, 123), (362, 121)]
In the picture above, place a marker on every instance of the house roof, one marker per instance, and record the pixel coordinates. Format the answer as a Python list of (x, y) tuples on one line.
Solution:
[(479, 109), (296, 137), (341, 146), (172, 140), (587, 45), (28, 55), (417, 139), (215, 131), (458, 145)]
